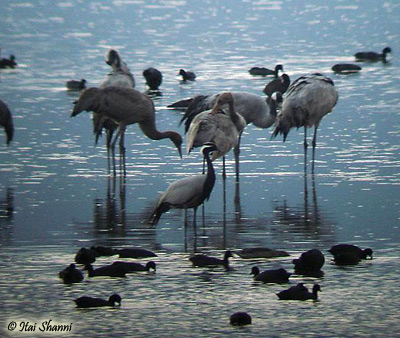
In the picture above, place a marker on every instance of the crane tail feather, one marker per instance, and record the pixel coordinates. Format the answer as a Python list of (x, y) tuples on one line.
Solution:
[(159, 210)]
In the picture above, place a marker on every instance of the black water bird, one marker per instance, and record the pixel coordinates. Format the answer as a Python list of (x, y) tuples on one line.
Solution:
[(8, 63), (135, 253), (202, 260), (299, 292), (135, 267), (153, 78), (71, 274), (85, 256), (262, 71), (76, 85), (260, 252), (240, 319), (309, 263), (347, 258), (346, 68), (189, 192), (342, 248), (187, 75), (87, 302), (6, 121), (373, 56), (280, 84), (106, 271), (271, 275), (104, 251)]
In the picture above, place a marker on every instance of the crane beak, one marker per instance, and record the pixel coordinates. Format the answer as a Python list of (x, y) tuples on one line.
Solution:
[(216, 110), (180, 151)]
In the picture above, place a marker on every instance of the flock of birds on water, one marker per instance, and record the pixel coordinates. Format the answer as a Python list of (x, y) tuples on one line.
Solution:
[(308, 264), (214, 123)]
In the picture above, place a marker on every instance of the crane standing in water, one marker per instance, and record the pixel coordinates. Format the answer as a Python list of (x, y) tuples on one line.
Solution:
[(6, 121), (219, 128), (120, 76), (124, 106), (189, 192), (305, 103)]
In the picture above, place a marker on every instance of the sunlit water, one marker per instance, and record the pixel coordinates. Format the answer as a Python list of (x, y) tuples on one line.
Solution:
[(56, 195)]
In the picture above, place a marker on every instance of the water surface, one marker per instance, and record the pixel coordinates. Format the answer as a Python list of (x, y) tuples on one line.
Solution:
[(56, 195)]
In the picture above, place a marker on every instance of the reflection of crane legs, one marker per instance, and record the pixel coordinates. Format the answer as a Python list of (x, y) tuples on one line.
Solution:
[(236, 152), (224, 213)]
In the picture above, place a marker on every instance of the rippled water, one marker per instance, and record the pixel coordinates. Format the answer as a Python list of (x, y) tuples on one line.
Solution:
[(56, 195)]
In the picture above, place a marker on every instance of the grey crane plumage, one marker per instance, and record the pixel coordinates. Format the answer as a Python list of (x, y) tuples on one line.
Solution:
[(120, 76), (6, 121), (253, 108), (306, 102), (215, 126), (124, 106), (189, 192)]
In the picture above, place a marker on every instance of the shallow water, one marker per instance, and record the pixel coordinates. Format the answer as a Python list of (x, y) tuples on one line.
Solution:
[(56, 195)]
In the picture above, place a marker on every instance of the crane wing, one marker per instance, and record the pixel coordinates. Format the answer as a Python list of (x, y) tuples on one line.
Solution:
[(184, 193)]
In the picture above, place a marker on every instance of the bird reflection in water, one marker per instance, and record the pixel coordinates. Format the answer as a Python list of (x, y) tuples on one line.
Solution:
[(110, 214), (306, 220), (200, 238), (6, 215)]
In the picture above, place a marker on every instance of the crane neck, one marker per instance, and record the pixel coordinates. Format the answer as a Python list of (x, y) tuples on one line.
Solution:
[(233, 114), (210, 179), (150, 130), (265, 119)]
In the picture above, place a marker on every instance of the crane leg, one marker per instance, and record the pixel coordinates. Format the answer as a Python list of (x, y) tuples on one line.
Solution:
[(185, 230), (236, 152), (112, 150), (314, 144), (194, 216), (305, 144), (122, 152), (185, 218), (108, 144), (121, 130), (305, 148), (223, 168)]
